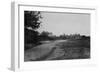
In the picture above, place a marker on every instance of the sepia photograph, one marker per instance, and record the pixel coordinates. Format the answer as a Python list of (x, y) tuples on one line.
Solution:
[(52, 36)]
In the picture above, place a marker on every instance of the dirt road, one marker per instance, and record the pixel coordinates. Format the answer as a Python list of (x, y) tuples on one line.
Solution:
[(45, 51)]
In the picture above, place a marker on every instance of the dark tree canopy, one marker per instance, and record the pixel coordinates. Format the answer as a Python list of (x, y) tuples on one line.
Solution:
[(32, 19), (31, 23)]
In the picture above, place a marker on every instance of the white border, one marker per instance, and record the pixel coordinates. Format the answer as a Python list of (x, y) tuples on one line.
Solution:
[(18, 40)]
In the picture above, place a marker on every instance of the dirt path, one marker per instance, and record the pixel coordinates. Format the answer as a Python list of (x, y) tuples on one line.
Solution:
[(44, 52)]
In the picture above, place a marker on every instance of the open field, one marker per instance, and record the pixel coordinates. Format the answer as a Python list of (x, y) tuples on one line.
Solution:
[(59, 50)]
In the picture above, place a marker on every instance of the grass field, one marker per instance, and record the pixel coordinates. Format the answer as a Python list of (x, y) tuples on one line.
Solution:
[(75, 49)]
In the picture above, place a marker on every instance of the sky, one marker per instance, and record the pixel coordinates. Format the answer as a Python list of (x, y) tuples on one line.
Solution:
[(65, 23)]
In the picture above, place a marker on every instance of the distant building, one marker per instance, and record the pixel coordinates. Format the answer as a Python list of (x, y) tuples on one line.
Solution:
[(73, 36)]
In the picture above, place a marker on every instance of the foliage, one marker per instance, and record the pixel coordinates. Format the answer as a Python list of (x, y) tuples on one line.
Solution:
[(31, 24), (32, 19), (45, 35)]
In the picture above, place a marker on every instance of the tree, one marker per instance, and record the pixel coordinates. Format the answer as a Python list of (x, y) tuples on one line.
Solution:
[(31, 23), (45, 35)]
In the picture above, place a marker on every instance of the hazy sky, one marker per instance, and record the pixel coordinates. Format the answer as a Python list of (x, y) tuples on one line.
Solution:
[(65, 23)]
